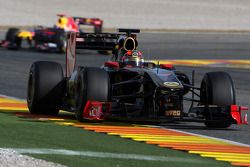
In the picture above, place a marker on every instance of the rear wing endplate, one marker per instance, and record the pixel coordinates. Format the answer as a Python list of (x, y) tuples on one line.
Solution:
[(70, 53)]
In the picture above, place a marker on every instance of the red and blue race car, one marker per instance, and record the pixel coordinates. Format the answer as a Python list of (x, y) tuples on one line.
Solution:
[(49, 38)]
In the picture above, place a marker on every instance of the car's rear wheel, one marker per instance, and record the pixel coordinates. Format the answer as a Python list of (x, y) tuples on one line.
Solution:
[(45, 88), (13, 39), (92, 84), (217, 88), (60, 41)]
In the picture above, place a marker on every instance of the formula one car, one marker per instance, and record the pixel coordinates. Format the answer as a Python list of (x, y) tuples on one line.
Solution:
[(127, 87), (49, 38)]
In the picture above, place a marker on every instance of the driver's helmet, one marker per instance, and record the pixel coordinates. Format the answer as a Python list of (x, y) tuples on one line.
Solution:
[(67, 24), (132, 59), (62, 22)]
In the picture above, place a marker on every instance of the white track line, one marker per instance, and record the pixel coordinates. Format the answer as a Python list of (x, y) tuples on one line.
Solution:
[(103, 155)]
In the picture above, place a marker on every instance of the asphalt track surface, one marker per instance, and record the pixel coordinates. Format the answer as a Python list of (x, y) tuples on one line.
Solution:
[(14, 67)]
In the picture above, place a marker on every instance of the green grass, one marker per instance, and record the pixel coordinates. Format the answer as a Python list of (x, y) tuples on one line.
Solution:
[(27, 133)]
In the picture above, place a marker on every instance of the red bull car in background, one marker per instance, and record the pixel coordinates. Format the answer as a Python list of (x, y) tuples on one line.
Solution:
[(49, 38), (129, 88)]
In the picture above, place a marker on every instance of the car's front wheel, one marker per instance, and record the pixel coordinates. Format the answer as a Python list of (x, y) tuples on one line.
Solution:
[(13, 39), (217, 88), (92, 84)]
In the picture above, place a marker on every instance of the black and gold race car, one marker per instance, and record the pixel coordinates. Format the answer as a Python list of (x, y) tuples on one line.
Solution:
[(129, 88)]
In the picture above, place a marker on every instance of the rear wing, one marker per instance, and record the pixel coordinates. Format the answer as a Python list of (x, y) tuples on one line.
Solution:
[(88, 21), (101, 41), (96, 22), (129, 31), (92, 41)]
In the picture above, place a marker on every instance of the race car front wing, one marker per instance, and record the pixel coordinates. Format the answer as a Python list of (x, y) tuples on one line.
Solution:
[(96, 111)]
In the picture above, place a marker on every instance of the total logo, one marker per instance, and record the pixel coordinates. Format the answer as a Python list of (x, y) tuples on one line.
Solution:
[(171, 84)]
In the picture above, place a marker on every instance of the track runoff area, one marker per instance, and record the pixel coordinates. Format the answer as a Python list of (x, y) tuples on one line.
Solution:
[(71, 143)]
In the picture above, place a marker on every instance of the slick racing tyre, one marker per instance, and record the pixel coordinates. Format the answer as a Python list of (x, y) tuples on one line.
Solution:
[(217, 88), (13, 39), (92, 84), (45, 88)]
